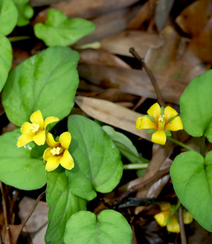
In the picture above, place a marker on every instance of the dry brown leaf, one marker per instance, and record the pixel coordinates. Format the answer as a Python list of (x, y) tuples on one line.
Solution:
[(196, 20), (159, 161), (132, 81), (109, 24), (19, 56), (101, 57), (172, 61), (110, 94), (111, 114), (121, 42), (144, 15), (90, 9)]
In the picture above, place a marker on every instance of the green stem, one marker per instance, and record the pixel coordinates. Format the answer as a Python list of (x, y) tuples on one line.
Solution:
[(202, 146), (180, 143), (135, 166), (18, 38)]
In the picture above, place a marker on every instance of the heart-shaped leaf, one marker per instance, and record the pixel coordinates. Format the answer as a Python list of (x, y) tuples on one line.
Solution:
[(21, 167), (6, 57), (98, 165), (46, 81), (191, 175), (59, 30), (109, 227), (62, 204), (8, 16), (195, 105), (25, 12)]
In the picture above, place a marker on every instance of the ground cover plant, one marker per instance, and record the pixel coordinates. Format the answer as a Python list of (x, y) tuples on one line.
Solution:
[(117, 145)]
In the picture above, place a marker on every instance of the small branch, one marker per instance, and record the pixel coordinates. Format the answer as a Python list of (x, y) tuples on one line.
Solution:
[(33, 208), (179, 143), (151, 76), (182, 229), (144, 184), (5, 214)]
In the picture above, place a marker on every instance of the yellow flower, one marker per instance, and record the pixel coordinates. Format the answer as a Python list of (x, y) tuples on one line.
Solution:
[(161, 120), (36, 130), (173, 224), (57, 153)]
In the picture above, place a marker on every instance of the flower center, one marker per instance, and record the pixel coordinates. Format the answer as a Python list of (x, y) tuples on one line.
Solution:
[(34, 127), (161, 122), (56, 150)]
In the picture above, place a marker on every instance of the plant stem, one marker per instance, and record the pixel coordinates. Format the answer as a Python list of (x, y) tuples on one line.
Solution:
[(202, 146), (151, 76), (135, 166), (180, 143), (17, 38)]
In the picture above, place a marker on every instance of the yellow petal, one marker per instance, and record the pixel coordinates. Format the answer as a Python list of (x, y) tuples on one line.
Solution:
[(154, 111), (173, 226), (65, 139), (159, 137), (37, 118), (67, 161), (50, 140), (145, 123), (162, 217), (47, 154), (23, 140), (187, 218), (40, 138), (52, 163), (169, 113), (175, 124), (25, 129), (165, 206), (50, 120)]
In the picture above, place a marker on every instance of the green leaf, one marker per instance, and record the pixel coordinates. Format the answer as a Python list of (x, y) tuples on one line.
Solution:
[(151, 131), (18, 166), (6, 57), (109, 227), (124, 145), (8, 16), (25, 12), (195, 105), (62, 204), (46, 81), (191, 175), (59, 30), (98, 165)]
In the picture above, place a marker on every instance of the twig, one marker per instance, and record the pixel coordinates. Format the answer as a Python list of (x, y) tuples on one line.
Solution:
[(33, 208), (151, 76), (5, 213), (182, 229), (144, 184)]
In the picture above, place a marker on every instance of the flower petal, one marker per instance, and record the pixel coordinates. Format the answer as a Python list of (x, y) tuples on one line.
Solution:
[(65, 139), (154, 111), (50, 120), (187, 218), (161, 218), (25, 129), (145, 123), (50, 140), (159, 137), (175, 124), (169, 113), (47, 154), (165, 206), (40, 138), (173, 226), (23, 140), (67, 161), (52, 163), (37, 118)]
